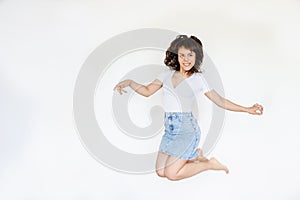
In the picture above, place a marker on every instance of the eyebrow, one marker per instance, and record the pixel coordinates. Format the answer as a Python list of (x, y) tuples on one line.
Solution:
[(187, 53)]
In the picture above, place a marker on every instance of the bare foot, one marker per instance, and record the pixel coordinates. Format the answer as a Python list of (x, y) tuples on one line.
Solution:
[(216, 165), (200, 157)]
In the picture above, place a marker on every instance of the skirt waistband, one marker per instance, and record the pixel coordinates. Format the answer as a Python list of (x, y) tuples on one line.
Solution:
[(178, 114)]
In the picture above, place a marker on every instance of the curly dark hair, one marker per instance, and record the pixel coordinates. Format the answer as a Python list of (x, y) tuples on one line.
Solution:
[(192, 43)]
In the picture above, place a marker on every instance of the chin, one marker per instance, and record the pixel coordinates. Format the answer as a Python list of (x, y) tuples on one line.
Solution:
[(187, 68)]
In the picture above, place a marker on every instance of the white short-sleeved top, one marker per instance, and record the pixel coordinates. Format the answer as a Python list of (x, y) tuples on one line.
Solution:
[(182, 97)]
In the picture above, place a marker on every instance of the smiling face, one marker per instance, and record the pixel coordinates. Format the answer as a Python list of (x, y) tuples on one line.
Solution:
[(186, 59)]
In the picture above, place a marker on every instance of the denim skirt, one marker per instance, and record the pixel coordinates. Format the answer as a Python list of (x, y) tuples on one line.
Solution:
[(182, 135)]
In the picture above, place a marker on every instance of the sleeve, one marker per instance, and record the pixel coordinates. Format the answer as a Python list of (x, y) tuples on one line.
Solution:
[(163, 74), (204, 85)]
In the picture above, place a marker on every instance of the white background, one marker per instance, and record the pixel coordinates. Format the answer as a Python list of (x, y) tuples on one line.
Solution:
[(254, 44)]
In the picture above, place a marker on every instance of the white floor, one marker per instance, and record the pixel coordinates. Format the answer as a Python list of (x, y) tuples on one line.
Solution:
[(254, 45)]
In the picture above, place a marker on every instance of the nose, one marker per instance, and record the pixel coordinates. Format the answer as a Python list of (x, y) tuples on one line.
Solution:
[(185, 58)]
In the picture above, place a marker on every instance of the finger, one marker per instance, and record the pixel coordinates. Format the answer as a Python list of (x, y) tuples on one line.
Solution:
[(260, 106), (120, 87), (254, 110), (253, 113), (259, 112), (117, 86), (119, 90)]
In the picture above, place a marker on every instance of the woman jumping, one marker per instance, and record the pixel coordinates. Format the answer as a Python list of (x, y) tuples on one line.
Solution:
[(179, 156)]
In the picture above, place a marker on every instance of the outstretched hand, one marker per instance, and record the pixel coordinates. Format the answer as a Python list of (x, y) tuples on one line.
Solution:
[(256, 109), (119, 87)]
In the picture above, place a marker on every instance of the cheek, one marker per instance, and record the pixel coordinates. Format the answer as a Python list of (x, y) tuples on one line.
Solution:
[(193, 60)]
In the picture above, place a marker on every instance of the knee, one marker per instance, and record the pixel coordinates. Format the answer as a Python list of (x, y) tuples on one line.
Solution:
[(160, 173), (172, 175)]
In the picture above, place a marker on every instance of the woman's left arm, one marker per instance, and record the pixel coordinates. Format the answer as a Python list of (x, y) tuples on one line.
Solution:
[(256, 109)]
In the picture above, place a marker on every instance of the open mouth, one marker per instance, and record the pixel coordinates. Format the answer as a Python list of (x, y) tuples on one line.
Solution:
[(186, 64)]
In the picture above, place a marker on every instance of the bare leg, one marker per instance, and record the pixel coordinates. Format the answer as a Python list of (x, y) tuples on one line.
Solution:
[(180, 169), (200, 157), (161, 163)]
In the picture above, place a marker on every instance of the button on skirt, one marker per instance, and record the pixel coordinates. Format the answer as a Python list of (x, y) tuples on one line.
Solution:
[(182, 135)]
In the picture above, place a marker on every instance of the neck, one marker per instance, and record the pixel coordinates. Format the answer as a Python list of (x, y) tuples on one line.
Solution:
[(183, 72)]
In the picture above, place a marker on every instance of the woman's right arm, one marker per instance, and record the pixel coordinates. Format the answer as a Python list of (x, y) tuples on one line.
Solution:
[(143, 90)]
